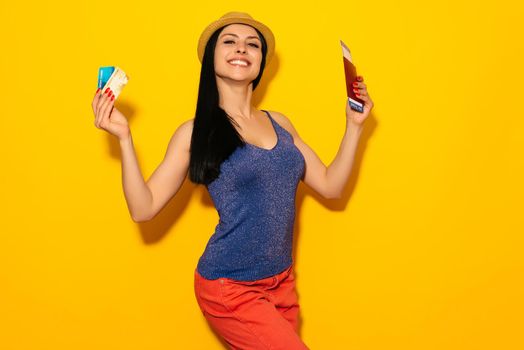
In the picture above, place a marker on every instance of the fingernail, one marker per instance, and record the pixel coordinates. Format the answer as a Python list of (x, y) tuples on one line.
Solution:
[(112, 97), (355, 84), (355, 90), (105, 92), (97, 90), (357, 94)]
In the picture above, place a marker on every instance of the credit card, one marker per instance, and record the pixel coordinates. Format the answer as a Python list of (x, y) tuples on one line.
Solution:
[(103, 75), (112, 77)]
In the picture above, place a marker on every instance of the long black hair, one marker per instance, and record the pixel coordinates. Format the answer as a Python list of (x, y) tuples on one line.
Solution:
[(214, 137)]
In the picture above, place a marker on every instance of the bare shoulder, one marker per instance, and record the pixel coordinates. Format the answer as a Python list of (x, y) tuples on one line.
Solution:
[(284, 121), (186, 127), (182, 135)]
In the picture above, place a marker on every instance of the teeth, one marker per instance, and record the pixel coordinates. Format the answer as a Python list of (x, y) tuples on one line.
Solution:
[(238, 62)]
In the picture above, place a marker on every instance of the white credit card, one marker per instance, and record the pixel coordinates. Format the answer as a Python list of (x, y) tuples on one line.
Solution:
[(116, 81)]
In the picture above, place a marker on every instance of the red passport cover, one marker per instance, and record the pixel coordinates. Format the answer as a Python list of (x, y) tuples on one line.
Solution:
[(350, 72)]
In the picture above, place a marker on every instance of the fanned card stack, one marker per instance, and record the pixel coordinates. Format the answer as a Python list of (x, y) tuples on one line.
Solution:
[(112, 77)]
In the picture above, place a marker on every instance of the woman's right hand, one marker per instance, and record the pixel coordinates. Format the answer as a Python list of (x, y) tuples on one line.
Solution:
[(107, 117)]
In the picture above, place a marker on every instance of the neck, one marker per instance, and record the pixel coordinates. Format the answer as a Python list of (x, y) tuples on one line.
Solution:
[(235, 98)]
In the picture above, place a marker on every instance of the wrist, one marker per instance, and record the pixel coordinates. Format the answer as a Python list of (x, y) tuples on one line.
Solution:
[(125, 140), (354, 129)]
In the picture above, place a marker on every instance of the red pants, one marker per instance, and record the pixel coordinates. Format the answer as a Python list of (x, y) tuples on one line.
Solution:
[(251, 315)]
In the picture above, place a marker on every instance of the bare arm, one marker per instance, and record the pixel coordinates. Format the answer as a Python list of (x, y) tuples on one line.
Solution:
[(339, 170), (329, 181), (146, 199)]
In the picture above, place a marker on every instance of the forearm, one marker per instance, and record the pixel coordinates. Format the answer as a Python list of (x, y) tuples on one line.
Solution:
[(137, 193), (339, 170)]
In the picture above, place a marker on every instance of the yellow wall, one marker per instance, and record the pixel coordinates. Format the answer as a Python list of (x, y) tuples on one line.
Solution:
[(423, 252)]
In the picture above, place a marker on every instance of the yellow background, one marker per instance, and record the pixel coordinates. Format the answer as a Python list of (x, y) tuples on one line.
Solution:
[(423, 252)]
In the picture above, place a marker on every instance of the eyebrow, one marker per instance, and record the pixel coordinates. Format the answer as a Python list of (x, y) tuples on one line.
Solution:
[(249, 37)]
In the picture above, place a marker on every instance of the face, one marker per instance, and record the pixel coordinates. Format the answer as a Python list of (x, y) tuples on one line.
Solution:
[(238, 53)]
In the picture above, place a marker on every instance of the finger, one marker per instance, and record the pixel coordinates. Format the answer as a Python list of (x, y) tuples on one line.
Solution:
[(367, 100), (101, 104), (105, 111), (95, 100), (360, 78), (98, 108), (363, 97), (103, 99), (359, 90), (104, 121), (357, 84)]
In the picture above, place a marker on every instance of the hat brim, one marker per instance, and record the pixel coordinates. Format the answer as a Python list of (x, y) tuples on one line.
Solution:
[(262, 28)]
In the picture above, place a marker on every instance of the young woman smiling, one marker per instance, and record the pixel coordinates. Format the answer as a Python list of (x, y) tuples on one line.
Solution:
[(251, 162)]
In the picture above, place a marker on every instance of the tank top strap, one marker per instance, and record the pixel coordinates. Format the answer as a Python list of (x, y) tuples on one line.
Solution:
[(276, 126)]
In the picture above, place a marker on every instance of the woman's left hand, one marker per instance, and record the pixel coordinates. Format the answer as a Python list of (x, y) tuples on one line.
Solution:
[(354, 118)]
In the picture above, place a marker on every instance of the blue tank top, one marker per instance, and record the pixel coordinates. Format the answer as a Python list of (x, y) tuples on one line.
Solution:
[(254, 195)]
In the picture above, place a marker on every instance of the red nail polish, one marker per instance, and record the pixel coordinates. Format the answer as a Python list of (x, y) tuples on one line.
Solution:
[(355, 84), (112, 97), (97, 90), (105, 92), (357, 94)]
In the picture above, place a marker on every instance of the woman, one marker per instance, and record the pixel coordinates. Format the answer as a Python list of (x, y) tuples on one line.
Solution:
[(251, 162)]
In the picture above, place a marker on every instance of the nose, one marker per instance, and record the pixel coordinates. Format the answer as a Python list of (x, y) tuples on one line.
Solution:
[(241, 48)]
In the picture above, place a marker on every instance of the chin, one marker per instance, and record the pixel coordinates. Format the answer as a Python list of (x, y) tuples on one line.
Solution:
[(237, 76)]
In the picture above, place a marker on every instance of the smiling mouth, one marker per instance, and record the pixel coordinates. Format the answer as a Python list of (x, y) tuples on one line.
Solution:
[(238, 63)]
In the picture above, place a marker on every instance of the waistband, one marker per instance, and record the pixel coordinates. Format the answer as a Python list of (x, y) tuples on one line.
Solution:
[(267, 282)]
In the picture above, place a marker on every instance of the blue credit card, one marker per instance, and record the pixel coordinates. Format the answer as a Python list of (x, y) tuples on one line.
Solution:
[(104, 73)]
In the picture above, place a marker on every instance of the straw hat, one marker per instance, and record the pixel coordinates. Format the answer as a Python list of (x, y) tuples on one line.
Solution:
[(237, 17)]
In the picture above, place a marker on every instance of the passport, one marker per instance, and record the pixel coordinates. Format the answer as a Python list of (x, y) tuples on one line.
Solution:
[(112, 77), (350, 72)]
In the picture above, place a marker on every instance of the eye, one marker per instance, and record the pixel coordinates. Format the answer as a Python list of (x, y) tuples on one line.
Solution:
[(232, 41)]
